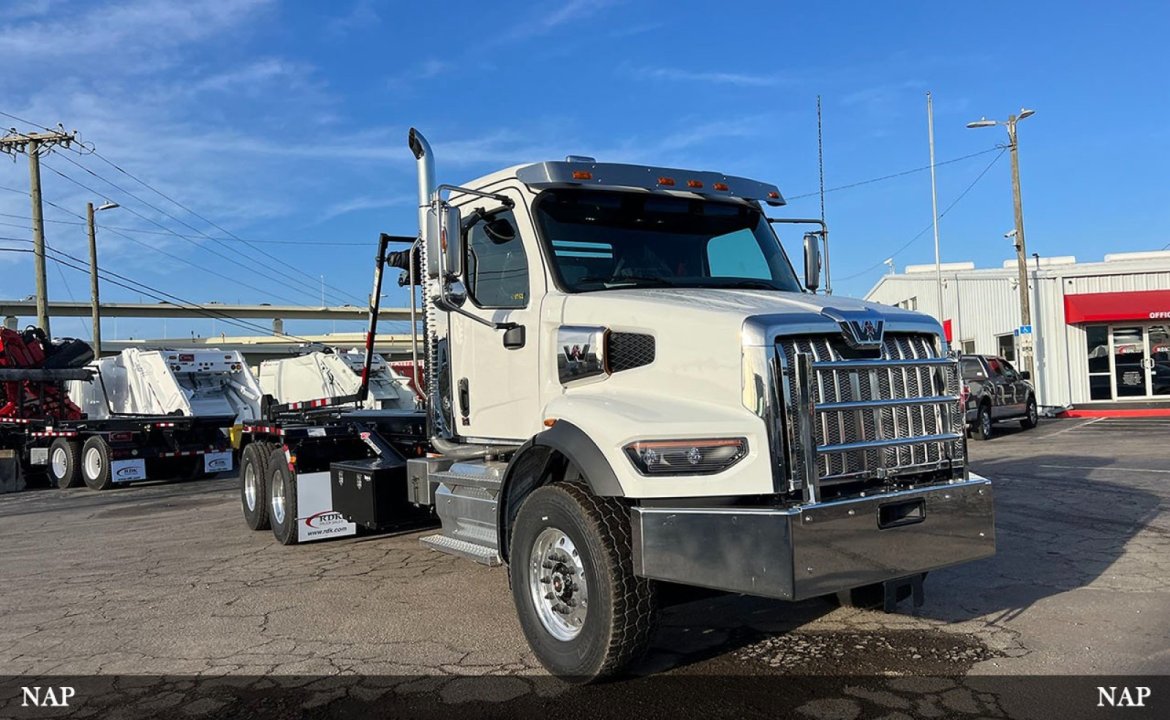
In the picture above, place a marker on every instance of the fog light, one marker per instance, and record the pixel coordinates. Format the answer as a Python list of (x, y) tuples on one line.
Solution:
[(686, 457)]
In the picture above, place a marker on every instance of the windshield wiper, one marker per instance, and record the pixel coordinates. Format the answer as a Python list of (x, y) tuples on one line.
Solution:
[(628, 280), (746, 283)]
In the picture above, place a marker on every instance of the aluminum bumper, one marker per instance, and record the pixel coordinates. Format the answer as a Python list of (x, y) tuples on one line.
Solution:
[(819, 549)]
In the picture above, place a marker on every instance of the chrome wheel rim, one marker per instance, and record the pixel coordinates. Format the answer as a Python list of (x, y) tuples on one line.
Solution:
[(985, 423), (556, 582), (251, 487), (1032, 416), (278, 498), (60, 460), (93, 463)]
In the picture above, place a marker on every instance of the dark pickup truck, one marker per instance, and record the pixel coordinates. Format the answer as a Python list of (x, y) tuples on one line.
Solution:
[(994, 391)]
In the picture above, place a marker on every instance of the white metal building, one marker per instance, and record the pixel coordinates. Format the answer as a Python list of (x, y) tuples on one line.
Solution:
[(1101, 330)]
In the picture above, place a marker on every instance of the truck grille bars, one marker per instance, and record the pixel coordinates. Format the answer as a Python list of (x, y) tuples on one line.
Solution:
[(854, 420)]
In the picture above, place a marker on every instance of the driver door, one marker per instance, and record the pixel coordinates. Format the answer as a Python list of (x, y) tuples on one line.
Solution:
[(495, 386)]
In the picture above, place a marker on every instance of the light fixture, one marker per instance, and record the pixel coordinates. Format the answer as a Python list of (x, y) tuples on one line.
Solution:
[(982, 123), (1025, 113), (686, 457), (107, 206)]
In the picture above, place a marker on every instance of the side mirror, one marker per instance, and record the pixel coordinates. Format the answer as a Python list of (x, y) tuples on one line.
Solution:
[(1025, 375), (444, 241), (812, 261)]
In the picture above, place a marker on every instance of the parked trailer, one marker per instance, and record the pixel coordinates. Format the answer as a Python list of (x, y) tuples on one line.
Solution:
[(139, 415), (818, 448)]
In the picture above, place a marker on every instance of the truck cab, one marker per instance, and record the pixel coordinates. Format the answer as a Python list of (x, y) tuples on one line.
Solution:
[(628, 384)]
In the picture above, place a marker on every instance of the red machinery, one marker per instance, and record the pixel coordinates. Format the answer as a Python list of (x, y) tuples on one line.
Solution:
[(30, 377)]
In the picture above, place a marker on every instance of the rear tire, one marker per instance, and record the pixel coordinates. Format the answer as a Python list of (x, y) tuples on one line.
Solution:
[(95, 464), (585, 614), (282, 498), (65, 463), (983, 424), (254, 485), (1031, 415)]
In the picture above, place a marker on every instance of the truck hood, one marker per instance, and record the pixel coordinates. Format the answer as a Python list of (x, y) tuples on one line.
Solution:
[(705, 308)]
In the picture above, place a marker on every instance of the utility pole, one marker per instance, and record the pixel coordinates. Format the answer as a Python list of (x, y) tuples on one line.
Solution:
[(934, 207), (93, 283), (93, 275), (1018, 232), (33, 144)]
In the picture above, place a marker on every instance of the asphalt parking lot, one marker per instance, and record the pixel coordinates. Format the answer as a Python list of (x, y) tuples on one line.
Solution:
[(167, 579)]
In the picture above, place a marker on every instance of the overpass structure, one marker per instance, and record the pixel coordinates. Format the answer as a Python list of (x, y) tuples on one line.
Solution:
[(13, 310)]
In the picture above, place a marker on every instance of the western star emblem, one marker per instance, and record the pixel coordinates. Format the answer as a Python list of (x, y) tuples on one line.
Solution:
[(861, 330)]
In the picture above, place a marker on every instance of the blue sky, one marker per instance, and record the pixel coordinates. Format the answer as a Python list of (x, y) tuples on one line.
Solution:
[(285, 122)]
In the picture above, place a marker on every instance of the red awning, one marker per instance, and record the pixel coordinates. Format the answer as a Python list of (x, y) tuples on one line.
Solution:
[(1107, 307)]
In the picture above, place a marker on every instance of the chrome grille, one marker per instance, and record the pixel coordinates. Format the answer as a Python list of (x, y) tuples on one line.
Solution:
[(892, 414)]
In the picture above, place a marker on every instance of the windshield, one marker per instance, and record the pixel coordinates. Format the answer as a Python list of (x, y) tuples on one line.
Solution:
[(603, 239)]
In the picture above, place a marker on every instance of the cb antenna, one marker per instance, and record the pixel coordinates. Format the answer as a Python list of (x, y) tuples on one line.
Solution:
[(821, 169)]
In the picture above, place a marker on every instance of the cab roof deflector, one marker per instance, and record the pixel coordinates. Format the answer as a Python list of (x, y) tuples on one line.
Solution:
[(544, 175)]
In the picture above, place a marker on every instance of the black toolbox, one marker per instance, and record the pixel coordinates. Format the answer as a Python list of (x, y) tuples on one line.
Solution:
[(370, 492)]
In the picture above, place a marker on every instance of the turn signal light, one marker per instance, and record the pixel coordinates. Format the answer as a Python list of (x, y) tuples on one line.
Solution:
[(686, 457)]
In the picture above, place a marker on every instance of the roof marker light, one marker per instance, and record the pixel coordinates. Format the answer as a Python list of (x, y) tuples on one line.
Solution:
[(694, 184), (582, 175), (721, 186), (668, 182), (773, 195)]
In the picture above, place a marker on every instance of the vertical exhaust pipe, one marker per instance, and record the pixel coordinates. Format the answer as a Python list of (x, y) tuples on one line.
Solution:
[(426, 177)]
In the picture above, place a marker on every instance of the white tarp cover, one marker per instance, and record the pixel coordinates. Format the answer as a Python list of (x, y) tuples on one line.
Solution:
[(319, 375), (194, 383)]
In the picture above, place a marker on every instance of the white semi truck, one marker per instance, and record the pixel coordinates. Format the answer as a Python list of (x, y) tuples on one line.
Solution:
[(627, 385)]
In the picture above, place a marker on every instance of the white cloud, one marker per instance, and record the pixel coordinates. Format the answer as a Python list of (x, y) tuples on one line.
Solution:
[(359, 17), (710, 77), (542, 20)]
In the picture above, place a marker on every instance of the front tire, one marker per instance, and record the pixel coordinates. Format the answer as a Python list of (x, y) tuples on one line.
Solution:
[(1031, 415), (65, 463), (585, 614), (254, 485), (95, 464)]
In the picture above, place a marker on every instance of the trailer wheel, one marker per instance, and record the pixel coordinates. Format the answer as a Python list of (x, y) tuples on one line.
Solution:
[(65, 463), (282, 498), (95, 464), (253, 485), (585, 614)]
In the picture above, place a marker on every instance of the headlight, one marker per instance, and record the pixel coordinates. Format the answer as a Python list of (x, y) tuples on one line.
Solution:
[(686, 457)]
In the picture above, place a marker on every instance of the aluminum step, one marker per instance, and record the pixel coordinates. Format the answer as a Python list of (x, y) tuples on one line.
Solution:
[(452, 546), (487, 476)]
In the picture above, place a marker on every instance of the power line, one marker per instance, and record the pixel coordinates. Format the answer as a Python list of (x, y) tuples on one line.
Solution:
[(305, 288), (226, 232), (922, 232), (142, 231), (159, 250), (895, 175)]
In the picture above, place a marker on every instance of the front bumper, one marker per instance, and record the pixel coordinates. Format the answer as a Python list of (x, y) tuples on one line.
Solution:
[(811, 550)]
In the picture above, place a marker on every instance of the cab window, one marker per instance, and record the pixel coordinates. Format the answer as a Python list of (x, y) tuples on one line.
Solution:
[(1009, 372), (497, 268), (973, 369)]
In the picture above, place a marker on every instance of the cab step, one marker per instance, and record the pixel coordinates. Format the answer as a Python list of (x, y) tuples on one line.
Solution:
[(472, 551)]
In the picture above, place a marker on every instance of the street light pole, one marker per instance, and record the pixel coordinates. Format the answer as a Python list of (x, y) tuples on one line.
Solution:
[(95, 301), (1018, 239)]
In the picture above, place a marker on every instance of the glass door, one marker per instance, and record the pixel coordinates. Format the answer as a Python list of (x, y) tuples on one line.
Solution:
[(1157, 360), (1128, 356)]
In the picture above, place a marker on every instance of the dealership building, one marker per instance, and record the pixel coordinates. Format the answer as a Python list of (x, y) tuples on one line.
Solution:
[(1100, 331)]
